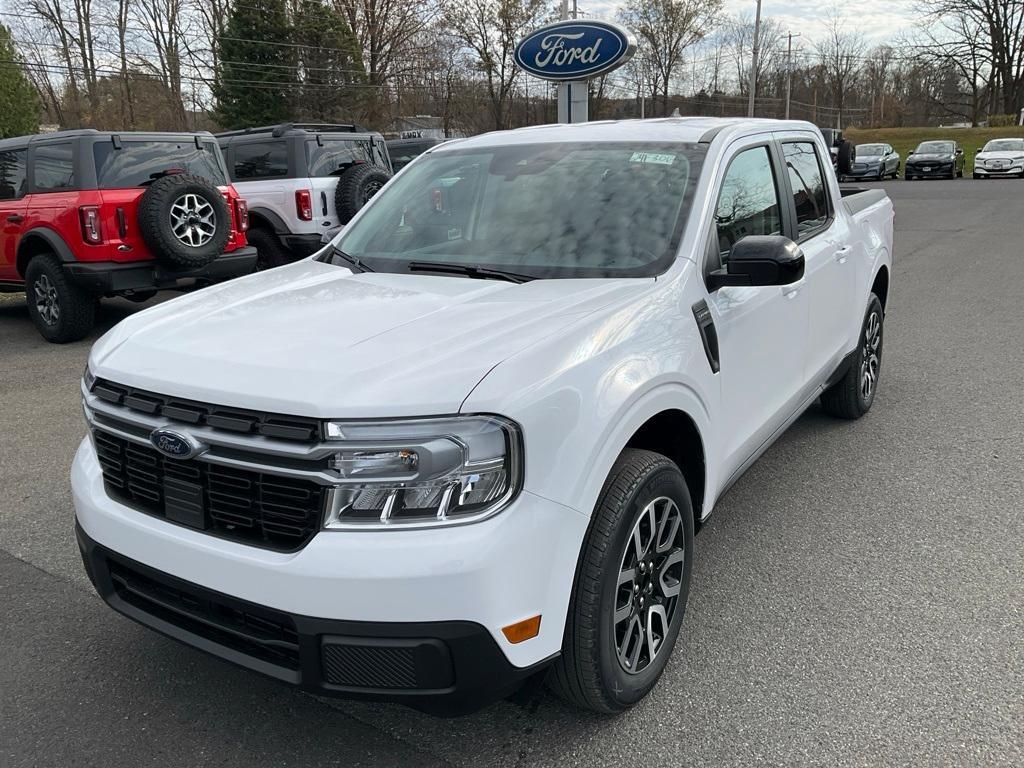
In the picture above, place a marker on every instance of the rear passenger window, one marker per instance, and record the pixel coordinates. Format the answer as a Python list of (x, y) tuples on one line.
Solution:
[(808, 183), (12, 174), (749, 201), (53, 167), (262, 160)]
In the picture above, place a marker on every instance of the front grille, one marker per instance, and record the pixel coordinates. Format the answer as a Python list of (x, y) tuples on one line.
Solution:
[(256, 508), (255, 631), (203, 414)]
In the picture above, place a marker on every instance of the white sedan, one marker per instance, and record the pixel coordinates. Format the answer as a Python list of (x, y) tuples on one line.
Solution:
[(1000, 157)]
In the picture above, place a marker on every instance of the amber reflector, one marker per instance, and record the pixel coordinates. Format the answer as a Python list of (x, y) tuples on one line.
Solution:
[(522, 630)]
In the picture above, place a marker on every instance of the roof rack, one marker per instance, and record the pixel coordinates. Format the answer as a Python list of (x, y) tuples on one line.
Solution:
[(282, 128)]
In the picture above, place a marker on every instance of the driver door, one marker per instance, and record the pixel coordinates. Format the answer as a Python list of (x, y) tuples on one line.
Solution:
[(762, 331)]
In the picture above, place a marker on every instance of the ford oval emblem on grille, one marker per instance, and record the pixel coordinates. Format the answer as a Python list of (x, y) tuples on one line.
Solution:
[(174, 444)]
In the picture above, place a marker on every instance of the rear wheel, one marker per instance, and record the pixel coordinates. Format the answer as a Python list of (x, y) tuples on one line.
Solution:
[(270, 252), (851, 397), (631, 586), (61, 311)]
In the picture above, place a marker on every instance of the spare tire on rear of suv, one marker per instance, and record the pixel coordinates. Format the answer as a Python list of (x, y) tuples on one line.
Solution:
[(184, 220), (355, 186)]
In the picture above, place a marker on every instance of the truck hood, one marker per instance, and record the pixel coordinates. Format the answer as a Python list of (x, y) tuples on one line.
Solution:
[(314, 339), (930, 157)]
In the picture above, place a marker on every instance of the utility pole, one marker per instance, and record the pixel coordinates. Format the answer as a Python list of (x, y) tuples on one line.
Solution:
[(789, 69), (753, 64)]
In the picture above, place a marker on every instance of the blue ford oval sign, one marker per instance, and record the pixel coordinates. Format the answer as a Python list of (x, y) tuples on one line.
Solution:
[(174, 444), (576, 49)]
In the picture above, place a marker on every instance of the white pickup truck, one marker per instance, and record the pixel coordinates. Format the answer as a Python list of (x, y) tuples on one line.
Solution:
[(470, 441)]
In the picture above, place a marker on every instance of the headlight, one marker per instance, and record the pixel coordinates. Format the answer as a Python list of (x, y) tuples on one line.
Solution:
[(422, 472), (88, 378)]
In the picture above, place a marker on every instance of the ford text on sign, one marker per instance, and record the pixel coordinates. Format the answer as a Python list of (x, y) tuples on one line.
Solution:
[(575, 50)]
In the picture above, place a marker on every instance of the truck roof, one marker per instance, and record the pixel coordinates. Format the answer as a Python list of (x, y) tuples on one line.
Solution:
[(77, 133), (667, 129)]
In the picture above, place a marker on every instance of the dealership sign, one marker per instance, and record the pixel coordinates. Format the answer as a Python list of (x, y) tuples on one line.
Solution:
[(575, 49)]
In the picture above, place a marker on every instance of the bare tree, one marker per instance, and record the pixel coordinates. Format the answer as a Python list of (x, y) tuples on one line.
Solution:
[(840, 52), (387, 31), (666, 29), (491, 29), (770, 56)]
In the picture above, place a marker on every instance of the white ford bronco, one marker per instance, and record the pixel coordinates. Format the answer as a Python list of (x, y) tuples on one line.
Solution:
[(470, 441), (302, 180)]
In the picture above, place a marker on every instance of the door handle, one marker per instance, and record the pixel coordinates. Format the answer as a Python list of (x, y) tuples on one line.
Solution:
[(842, 253), (15, 218), (791, 291)]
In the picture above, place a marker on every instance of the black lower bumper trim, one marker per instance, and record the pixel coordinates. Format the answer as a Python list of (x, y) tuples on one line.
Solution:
[(303, 245), (443, 668), (107, 277)]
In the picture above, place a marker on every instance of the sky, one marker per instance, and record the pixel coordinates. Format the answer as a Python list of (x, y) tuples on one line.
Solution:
[(878, 20)]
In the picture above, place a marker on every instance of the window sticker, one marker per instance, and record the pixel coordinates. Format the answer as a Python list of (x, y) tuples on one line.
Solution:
[(652, 157)]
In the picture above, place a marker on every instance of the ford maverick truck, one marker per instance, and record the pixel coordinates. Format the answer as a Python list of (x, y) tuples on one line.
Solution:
[(469, 442)]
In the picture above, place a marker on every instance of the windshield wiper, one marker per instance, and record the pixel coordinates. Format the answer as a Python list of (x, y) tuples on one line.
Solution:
[(351, 260), (468, 270)]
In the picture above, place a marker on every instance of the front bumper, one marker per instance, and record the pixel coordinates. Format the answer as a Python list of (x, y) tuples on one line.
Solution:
[(1015, 170), (939, 169), (117, 277), (864, 173), (447, 592)]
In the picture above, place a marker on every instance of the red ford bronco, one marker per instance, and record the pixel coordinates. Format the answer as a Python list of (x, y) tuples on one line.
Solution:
[(86, 214)]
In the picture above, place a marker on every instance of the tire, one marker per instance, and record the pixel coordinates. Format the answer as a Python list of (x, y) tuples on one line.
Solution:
[(270, 252), (589, 672), (847, 399), (204, 221), (978, 176), (355, 186), (845, 157), (61, 311)]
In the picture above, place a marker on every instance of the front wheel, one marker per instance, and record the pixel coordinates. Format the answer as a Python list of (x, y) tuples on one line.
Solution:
[(631, 586), (851, 397)]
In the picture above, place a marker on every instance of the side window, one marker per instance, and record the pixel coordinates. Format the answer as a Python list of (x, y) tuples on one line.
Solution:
[(53, 167), (749, 201), (808, 183), (12, 173), (260, 160)]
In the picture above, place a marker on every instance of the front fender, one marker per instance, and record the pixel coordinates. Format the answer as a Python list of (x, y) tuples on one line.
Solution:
[(580, 396)]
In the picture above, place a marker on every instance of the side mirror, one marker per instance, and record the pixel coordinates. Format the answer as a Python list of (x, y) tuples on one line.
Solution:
[(760, 260), (959, 151)]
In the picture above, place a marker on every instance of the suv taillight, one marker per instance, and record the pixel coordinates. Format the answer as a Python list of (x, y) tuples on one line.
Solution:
[(242, 212), (89, 215), (304, 204)]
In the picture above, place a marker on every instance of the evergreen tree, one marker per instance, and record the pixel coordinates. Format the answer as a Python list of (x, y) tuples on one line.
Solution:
[(19, 102), (330, 63), (257, 78)]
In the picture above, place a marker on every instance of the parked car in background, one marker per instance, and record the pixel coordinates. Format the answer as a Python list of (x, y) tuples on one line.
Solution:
[(874, 161), (999, 158), (302, 179), (935, 160), (86, 214), (404, 151), (470, 442)]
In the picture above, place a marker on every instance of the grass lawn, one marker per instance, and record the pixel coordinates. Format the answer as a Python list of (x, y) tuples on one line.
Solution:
[(906, 139)]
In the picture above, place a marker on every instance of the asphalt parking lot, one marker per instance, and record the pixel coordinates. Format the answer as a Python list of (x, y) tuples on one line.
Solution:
[(857, 598)]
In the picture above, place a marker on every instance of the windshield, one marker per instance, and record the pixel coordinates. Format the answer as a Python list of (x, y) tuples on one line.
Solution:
[(540, 210), (1004, 145), (934, 148), (138, 163), (870, 150)]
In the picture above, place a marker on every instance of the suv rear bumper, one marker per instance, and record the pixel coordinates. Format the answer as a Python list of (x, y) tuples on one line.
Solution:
[(303, 245), (116, 277), (445, 668)]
